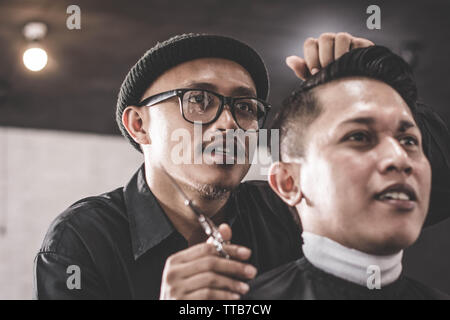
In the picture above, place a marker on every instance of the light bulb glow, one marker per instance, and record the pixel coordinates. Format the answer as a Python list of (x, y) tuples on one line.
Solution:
[(35, 59)]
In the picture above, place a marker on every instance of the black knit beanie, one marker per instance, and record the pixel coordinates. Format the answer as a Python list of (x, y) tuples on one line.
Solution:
[(179, 49)]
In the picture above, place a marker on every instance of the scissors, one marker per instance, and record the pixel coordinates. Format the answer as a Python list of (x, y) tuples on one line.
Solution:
[(207, 224)]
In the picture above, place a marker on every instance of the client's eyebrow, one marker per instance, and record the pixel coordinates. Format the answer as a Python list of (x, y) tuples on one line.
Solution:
[(403, 126), (361, 120)]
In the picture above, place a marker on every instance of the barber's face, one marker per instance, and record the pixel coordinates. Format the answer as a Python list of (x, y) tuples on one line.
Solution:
[(365, 177), (164, 119)]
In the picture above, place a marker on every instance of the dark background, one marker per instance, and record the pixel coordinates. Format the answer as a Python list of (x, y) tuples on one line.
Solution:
[(77, 90)]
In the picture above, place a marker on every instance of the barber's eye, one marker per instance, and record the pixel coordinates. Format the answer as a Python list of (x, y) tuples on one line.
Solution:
[(409, 141), (359, 137), (247, 107), (197, 98)]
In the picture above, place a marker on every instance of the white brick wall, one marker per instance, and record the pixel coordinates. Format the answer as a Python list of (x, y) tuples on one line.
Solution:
[(42, 173)]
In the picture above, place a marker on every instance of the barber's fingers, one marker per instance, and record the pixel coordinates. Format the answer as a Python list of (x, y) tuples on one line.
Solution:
[(226, 267), (361, 43), (318, 53), (311, 52), (203, 263), (342, 43), (211, 294), (214, 281), (298, 65), (326, 48), (235, 252), (225, 231), (208, 249)]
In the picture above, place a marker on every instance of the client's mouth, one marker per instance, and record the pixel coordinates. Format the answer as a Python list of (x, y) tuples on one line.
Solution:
[(399, 195)]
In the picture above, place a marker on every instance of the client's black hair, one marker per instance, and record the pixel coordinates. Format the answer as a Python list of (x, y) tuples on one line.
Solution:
[(301, 108)]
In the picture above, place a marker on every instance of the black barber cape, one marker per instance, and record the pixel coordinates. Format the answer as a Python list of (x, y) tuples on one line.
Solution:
[(117, 243), (300, 280)]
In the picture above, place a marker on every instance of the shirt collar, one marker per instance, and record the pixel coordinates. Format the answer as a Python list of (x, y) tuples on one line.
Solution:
[(350, 264), (149, 225)]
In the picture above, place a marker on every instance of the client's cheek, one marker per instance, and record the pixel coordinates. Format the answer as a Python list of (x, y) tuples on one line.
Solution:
[(423, 178)]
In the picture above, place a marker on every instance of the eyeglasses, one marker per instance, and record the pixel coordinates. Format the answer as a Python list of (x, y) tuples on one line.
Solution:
[(205, 107)]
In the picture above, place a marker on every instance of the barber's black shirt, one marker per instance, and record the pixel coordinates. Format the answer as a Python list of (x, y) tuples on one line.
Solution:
[(115, 245)]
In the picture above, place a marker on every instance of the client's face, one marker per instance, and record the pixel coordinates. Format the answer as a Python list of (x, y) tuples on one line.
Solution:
[(364, 178)]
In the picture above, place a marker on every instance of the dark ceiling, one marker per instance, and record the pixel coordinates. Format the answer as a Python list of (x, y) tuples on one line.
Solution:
[(78, 88)]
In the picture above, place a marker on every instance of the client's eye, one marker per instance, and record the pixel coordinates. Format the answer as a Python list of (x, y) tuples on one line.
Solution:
[(359, 136), (409, 141)]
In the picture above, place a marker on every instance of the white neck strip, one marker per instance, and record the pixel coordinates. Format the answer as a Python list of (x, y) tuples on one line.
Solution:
[(349, 264)]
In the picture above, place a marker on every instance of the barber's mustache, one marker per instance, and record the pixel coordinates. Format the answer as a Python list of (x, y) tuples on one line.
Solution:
[(237, 144)]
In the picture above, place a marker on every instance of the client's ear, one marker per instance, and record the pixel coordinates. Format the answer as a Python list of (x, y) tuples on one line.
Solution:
[(284, 180), (135, 120)]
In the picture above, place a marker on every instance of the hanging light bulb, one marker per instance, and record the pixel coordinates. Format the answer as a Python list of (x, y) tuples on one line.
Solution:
[(35, 58)]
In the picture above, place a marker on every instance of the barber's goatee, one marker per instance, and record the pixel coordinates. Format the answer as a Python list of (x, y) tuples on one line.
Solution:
[(213, 191)]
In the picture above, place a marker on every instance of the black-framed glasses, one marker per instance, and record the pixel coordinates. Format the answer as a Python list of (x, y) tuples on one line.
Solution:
[(205, 106)]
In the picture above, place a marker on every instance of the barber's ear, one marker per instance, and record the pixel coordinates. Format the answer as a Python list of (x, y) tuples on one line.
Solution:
[(284, 180), (135, 120)]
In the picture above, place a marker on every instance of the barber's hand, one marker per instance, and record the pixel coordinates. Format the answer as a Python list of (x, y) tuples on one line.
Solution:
[(200, 273), (322, 51)]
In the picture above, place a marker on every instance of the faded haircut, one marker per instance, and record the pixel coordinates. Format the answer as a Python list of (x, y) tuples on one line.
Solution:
[(301, 108)]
